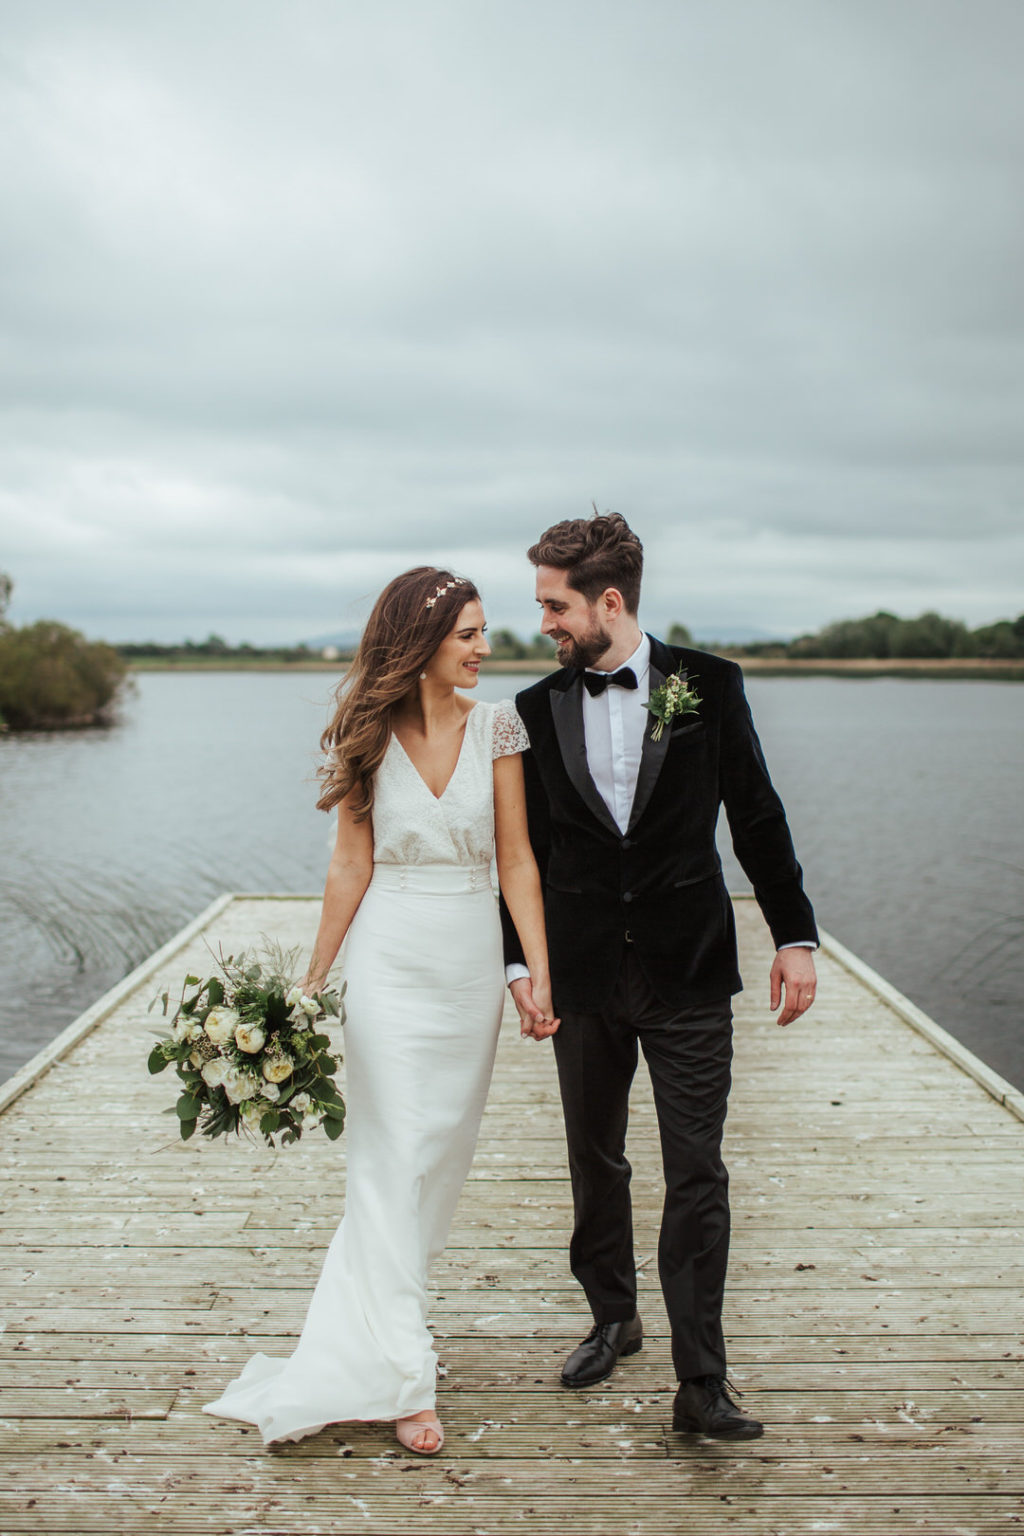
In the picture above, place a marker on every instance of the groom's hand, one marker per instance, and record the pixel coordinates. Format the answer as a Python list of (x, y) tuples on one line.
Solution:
[(793, 971)]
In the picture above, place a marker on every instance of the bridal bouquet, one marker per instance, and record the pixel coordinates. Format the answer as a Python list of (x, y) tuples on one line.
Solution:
[(248, 1052)]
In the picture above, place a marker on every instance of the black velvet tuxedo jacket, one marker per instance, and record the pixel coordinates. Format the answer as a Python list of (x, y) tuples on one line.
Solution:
[(661, 881)]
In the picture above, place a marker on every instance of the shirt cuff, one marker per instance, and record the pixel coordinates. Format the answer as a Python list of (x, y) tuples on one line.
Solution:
[(515, 972), (796, 944)]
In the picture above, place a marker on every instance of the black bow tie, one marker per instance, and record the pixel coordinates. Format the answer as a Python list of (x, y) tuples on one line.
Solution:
[(597, 682)]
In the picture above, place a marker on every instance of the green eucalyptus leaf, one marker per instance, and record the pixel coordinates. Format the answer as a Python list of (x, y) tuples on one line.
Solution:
[(157, 1060), (187, 1128)]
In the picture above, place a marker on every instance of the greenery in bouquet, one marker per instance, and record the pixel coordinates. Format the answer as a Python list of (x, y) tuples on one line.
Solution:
[(249, 1049)]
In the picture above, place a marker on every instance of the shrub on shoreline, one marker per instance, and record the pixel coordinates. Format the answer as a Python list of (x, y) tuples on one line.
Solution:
[(52, 677)]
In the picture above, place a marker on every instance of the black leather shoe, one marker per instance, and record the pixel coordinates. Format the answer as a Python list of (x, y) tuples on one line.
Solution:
[(703, 1407), (598, 1355)]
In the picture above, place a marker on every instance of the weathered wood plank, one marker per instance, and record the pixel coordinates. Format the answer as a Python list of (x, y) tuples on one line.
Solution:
[(474, 1429), (206, 1375), (802, 1348), (451, 1508), (690, 1469)]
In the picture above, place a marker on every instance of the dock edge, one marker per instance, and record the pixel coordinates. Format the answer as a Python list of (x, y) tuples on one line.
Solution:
[(946, 1044)]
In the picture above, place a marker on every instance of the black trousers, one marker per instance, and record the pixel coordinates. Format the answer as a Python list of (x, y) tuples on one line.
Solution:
[(689, 1056)]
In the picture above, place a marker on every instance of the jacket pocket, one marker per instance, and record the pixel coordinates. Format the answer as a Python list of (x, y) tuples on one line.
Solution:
[(693, 731), (679, 885)]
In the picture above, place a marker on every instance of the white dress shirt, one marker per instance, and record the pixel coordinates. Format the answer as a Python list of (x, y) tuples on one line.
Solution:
[(614, 723)]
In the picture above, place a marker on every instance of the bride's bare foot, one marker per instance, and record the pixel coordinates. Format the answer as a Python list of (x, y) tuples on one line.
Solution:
[(421, 1432)]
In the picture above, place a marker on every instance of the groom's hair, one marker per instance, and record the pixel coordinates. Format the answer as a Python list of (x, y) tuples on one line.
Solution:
[(596, 553)]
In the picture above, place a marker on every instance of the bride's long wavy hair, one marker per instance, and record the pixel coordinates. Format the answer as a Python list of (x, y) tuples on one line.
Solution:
[(413, 614)]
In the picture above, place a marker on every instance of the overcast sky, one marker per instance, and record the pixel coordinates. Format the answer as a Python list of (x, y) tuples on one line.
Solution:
[(297, 293)]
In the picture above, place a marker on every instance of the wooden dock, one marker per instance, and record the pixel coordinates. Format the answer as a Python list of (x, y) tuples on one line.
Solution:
[(874, 1309)]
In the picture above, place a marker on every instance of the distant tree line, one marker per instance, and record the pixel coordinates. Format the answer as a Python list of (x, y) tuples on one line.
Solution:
[(506, 645), (883, 636), (215, 648), (52, 676)]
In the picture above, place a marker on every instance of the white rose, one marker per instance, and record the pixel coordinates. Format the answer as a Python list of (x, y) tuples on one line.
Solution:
[(239, 1085), (310, 1122), (214, 1072), (293, 996), (181, 1029), (221, 1024), (277, 1068), (250, 1038), (298, 1020), (270, 1091), (309, 1006), (251, 1116), (300, 1102)]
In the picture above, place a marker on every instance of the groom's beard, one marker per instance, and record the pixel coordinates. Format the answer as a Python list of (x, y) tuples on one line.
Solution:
[(584, 650)]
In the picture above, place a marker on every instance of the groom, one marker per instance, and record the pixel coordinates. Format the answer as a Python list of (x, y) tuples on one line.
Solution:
[(642, 942)]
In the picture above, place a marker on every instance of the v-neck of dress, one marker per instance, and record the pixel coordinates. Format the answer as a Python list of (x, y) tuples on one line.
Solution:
[(458, 760)]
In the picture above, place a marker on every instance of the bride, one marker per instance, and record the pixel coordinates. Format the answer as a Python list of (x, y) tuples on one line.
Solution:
[(427, 786)]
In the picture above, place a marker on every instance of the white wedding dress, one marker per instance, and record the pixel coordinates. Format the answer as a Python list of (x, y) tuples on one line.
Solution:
[(423, 963)]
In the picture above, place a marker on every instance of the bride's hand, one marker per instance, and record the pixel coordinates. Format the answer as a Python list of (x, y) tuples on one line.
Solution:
[(546, 1026)]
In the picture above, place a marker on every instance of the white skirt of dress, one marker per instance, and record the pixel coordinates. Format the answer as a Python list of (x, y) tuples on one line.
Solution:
[(425, 988)]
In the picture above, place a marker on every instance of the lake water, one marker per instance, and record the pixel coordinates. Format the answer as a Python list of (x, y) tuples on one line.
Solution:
[(904, 798)]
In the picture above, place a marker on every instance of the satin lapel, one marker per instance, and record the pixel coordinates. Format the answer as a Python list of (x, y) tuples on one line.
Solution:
[(652, 754), (567, 715)]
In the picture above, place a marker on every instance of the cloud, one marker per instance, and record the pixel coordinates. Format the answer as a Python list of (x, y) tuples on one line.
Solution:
[(297, 296)]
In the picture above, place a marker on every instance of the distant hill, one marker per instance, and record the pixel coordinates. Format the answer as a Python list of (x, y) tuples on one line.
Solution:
[(344, 639), (711, 635)]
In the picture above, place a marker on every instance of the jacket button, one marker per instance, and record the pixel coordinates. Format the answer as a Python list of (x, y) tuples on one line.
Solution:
[(627, 842), (627, 895)]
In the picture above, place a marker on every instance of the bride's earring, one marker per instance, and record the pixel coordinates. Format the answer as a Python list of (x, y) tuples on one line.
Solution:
[(423, 677)]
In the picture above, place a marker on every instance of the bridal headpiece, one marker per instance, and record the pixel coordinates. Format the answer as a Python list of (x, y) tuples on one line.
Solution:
[(456, 581)]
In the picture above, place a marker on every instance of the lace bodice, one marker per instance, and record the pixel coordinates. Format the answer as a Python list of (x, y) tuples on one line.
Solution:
[(411, 825)]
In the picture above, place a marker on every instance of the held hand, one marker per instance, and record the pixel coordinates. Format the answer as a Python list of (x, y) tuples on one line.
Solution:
[(793, 970), (542, 1001), (529, 1013), (533, 1021)]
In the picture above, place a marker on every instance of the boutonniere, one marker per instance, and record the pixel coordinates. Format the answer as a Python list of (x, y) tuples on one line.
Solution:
[(672, 700)]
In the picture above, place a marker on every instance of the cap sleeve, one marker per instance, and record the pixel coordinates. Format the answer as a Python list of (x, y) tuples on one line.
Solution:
[(508, 731)]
